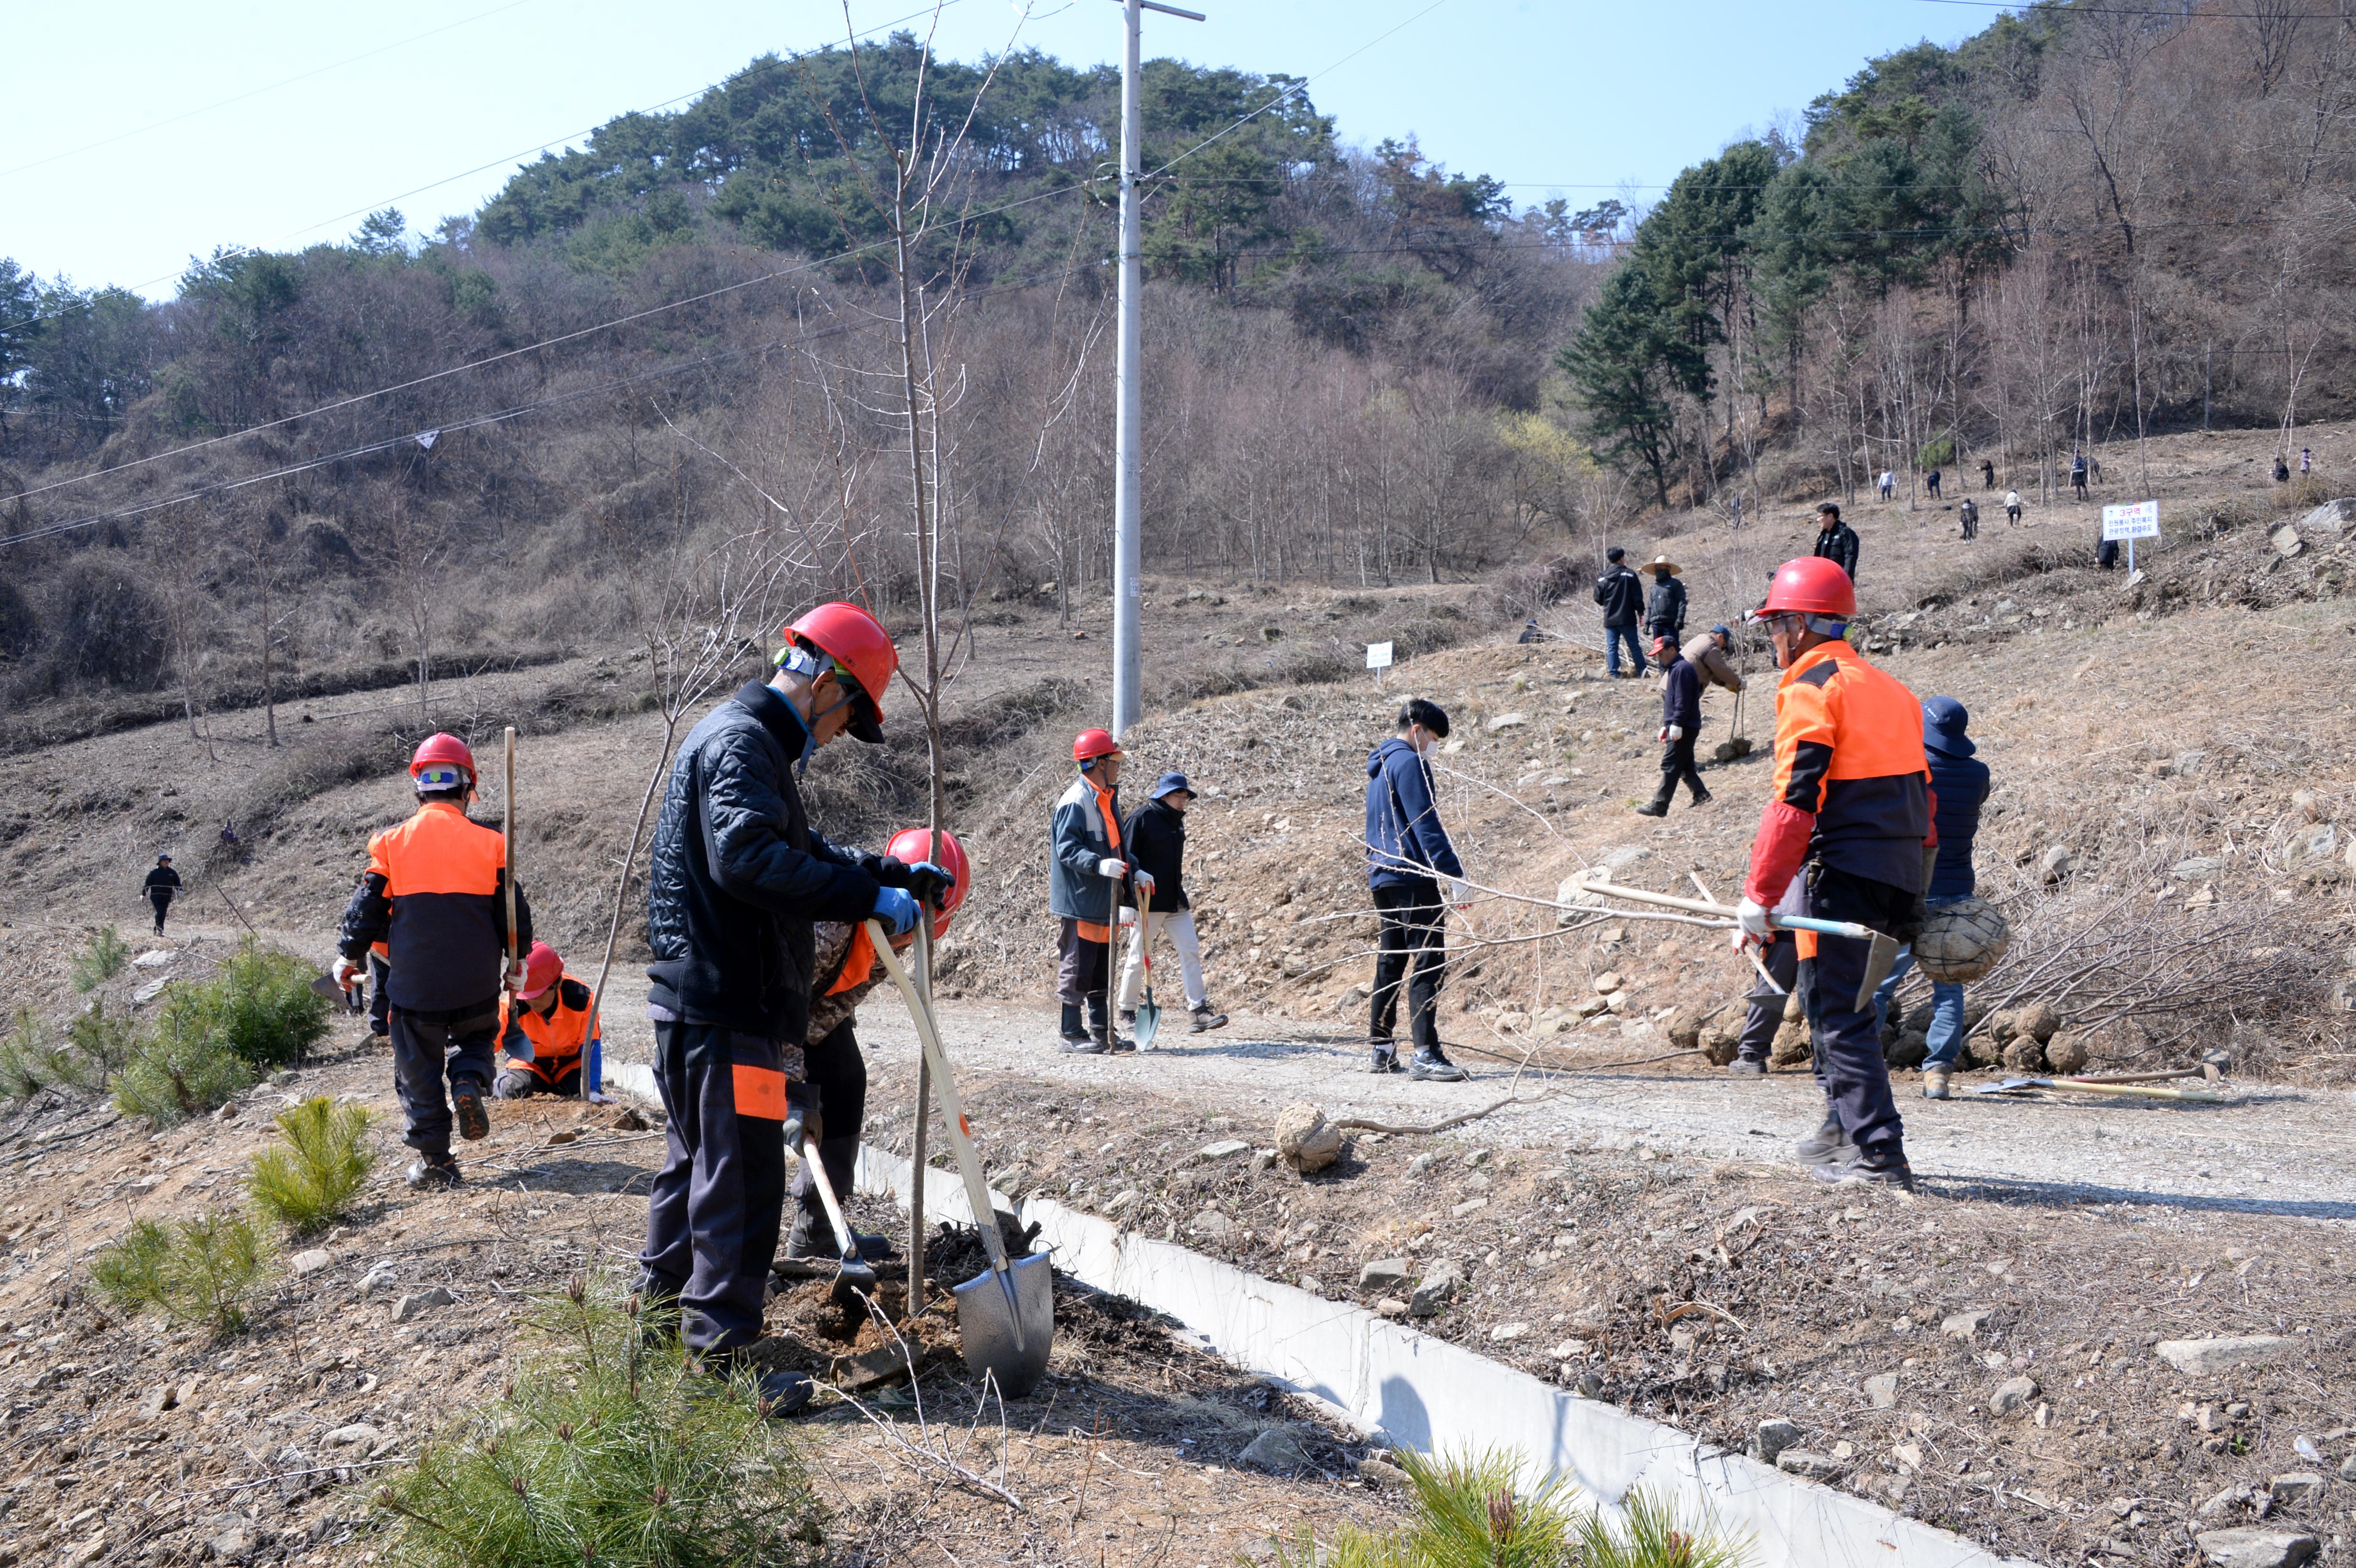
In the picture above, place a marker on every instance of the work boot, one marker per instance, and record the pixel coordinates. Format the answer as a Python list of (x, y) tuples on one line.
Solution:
[(812, 1245), (1084, 1045), (1076, 1036), (1386, 1061), (1107, 1039), (1700, 795), (429, 1171), (1883, 1167), (1934, 1082), (1746, 1067), (1829, 1144), (467, 1100), (1205, 1019), (1655, 806), (1432, 1066), (781, 1395)]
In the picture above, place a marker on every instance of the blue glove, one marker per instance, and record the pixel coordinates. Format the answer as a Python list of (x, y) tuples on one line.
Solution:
[(897, 907), (930, 883)]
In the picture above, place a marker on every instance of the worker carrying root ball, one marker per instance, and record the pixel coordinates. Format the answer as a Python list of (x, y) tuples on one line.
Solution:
[(1853, 802), (434, 896), (543, 1037)]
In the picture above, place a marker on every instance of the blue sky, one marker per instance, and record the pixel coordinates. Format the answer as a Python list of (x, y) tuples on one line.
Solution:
[(1557, 99)]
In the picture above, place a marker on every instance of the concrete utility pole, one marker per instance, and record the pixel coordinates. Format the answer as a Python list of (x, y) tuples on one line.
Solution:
[(1128, 506)]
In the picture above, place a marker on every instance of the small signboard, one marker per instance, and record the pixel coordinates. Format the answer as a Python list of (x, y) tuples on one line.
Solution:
[(2138, 520), (1379, 655)]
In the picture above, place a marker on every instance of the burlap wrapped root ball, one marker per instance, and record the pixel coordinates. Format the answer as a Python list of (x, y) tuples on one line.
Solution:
[(1305, 1140), (2066, 1054), (1962, 942)]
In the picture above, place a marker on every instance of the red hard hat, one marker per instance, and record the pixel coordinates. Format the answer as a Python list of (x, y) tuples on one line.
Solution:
[(861, 648), (1090, 744), (1811, 586), (440, 748), (912, 845), (541, 969)]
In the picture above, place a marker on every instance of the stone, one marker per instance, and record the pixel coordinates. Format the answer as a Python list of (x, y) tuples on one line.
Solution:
[(234, 1544), (2053, 865), (1422, 1163), (1470, 1206), (2038, 1019), (1507, 1333), (1569, 1350), (2348, 1468), (1774, 1435), (1377, 1471), (2256, 1547), (1885, 1488), (1121, 1200), (1225, 1149), (156, 1401), (90, 1551), (2011, 1396), (2199, 868), (149, 992), (1627, 855), (2318, 843), (1507, 721), (2334, 515), (358, 1432), (2287, 541), (381, 1280), (309, 1262), (1963, 1324), (1383, 1274), (2298, 1487), (2202, 1356), (1808, 1465), (1591, 1006), (1435, 1290), (1213, 1224), (1609, 982), (1305, 1140), (1685, 1027), (154, 958), (1390, 1307), (1881, 1391), (2066, 1054), (418, 1302), (1276, 1451)]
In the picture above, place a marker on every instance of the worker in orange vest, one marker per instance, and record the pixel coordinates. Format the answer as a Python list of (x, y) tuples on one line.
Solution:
[(1852, 800), (1087, 865), (544, 1038), (435, 894)]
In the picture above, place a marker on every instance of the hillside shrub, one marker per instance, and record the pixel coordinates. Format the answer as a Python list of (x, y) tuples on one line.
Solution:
[(312, 1175), (1937, 452), (607, 1449), (101, 960), (207, 1270), (260, 1007), (33, 1057), (182, 1070)]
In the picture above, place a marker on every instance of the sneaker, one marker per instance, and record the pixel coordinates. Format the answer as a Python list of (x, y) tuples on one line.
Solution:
[(1829, 1144), (1386, 1061), (474, 1122), (1205, 1019), (1116, 1045), (1083, 1045), (1703, 798), (1743, 1067), (1934, 1082), (432, 1171), (1432, 1066), (1652, 808), (1129, 1017), (1886, 1169)]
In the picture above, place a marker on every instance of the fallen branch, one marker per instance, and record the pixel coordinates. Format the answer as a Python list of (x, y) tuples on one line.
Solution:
[(915, 1458)]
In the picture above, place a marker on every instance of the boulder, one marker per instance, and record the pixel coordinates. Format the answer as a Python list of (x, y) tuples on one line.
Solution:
[(1435, 1290), (2298, 1487), (1305, 1140), (1608, 982), (1963, 1324), (2038, 1019), (1226, 1147), (1276, 1451), (1383, 1274), (2066, 1054), (420, 1302), (2199, 1356), (1775, 1434), (2256, 1547), (309, 1262), (1808, 1465), (2334, 515), (2287, 541)]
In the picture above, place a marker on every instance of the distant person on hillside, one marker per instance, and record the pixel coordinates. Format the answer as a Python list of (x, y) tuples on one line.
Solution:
[(1969, 513), (1156, 832), (2306, 460), (163, 885), (1734, 512), (2282, 469), (2106, 553), (1408, 853), (1621, 593), (1959, 784), (2078, 474), (1930, 483), (1090, 863), (2012, 508), (1530, 633), (1836, 541), (1988, 475), (1665, 607), (1680, 729), (1887, 483)]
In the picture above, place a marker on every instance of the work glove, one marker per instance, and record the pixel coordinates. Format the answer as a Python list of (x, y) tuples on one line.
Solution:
[(347, 975), (930, 883), (1458, 893), (1112, 866), (803, 1121), (1128, 915), (1673, 732), (1143, 880), (1752, 920), (1662, 733), (898, 908)]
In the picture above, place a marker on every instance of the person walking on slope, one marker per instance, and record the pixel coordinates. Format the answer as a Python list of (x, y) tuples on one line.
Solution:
[(1852, 799), (1930, 483), (162, 886), (1959, 785), (1680, 728), (2012, 508), (736, 878), (1969, 513), (1836, 541), (1408, 853), (435, 894), (2078, 474), (1987, 473), (1088, 865), (1156, 834), (1622, 595), (544, 1029), (845, 971), (1664, 606), (1887, 484)]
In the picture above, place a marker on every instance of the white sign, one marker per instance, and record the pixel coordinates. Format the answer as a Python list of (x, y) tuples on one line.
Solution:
[(1379, 655), (2137, 521)]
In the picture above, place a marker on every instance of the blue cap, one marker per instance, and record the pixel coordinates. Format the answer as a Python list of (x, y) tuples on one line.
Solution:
[(1722, 632), (1170, 783), (1944, 720)]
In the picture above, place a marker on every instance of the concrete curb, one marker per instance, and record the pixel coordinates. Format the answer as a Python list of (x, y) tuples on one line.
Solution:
[(1429, 1395)]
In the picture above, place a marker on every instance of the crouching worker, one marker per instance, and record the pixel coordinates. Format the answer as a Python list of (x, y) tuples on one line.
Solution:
[(543, 1037), (737, 878), (434, 895), (846, 972)]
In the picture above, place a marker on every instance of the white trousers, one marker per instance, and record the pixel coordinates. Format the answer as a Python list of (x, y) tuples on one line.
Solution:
[(1179, 927)]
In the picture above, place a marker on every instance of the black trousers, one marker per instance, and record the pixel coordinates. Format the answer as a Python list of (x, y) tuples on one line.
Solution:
[(1678, 765), (379, 1006), (1781, 957), (1971, 525), (1084, 974), (839, 1073), (1850, 1066), (428, 1047), (1413, 951), (719, 1199), (163, 903)]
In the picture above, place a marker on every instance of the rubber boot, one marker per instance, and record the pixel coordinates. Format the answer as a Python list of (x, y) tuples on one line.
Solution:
[(1076, 1036), (1101, 1033)]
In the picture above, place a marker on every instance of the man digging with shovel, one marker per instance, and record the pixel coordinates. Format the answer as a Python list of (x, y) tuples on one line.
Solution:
[(1853, 800)]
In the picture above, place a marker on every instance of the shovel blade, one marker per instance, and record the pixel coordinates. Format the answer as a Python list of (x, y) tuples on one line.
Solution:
[(853, 1280), (1149, 1020), (1008, 1325), (1878, 962)]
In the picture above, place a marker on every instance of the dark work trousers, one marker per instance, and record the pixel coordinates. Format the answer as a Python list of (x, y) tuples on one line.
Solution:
[(427, 1046), (1676, 766), (719, 1199), (1413, 950), (163, 903), (380, 976), (1781, 957), (523, 1083), (838, 1073), (1850, 1066), (1084, 976)]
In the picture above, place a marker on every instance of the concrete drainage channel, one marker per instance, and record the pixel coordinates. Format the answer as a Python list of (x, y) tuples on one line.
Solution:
[(1427, 1395)]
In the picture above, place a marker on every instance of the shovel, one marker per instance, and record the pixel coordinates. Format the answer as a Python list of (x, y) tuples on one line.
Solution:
[(2083, 1086), (1878, 961), (325, 987), (1006, 1317), (1148, 1011), (856, 1277)]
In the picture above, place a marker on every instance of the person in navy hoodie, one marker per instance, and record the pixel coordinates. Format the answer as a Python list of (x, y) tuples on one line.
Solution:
[(1408, 853), (1959, 785)]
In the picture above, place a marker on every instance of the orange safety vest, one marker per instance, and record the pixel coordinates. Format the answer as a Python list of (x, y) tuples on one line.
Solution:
[(1089, 930), (557, 1038), (443, 876)]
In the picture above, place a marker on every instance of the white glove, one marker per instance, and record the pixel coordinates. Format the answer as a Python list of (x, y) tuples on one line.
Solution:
[(1128, 915), (1115, 869), (1752, 920), (347, 975), (1144, 881), (1459, 893), (1675, 732)]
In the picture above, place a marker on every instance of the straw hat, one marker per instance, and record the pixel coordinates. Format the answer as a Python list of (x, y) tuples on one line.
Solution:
[(1659, 561)]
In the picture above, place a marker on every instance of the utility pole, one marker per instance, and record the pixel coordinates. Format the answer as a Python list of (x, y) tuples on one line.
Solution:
[(1128, 506)]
